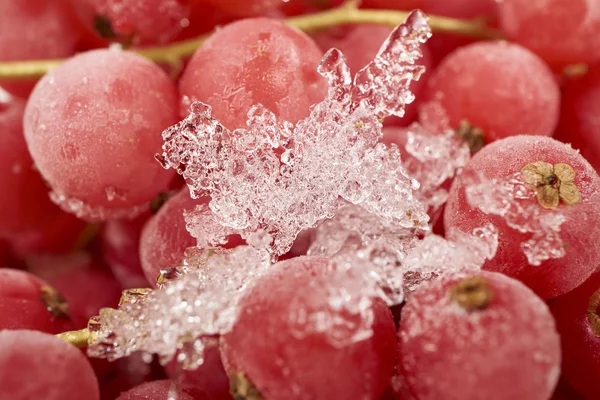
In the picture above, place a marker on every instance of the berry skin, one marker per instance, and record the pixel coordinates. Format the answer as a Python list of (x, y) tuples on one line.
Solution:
[(479, 335), (254, 61), (133, 21), (120, 250), (580, 232), (209, 379), (578, 322), (264, 353), (28, 302), (35, 365), (164, 238), (579, 124), (560, 31), (155, 390), (93, 124), (34, 30), (498, 87)]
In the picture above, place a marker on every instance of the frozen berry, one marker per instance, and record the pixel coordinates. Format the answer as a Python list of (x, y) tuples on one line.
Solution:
[(479, 335)]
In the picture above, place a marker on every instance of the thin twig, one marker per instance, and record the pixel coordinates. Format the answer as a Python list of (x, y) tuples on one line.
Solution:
[(347, 14)]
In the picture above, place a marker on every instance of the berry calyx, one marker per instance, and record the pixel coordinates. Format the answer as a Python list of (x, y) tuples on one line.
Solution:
[(552, 183), (472, 293), (55, 303), (592, 313), (471, 134), (241, 388)]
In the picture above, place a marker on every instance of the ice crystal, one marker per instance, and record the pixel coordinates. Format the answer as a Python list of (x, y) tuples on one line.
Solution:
[(514, 201), (434, 159), (392, 259), (179, 317), (435, 255), (282, 179), (372, 246)]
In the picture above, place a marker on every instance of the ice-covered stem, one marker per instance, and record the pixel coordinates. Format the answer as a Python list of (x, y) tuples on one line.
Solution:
[(173, 53)]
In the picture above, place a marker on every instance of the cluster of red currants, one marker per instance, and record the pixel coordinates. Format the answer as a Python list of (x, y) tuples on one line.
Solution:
[(88, 211)]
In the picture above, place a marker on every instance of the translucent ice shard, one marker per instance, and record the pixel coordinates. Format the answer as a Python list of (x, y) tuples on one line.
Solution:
[(510, 199), (281, 178), (434, 159), (391, 259), (434, 255), (371, 246)]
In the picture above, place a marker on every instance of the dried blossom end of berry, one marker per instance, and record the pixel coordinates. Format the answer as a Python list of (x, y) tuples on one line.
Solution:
[(473, 293), (241, 388), (472, 135), (592, 313), (55, 302), (552, 183)]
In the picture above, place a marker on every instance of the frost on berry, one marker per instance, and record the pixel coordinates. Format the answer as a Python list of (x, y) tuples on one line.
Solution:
[(510, 198), (282, 179), (182, 314)]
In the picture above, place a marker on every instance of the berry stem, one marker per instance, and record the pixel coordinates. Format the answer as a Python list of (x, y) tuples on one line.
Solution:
[(80, 338), (346, 14)]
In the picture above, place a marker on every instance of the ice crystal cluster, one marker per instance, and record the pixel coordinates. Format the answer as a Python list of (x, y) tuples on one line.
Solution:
[(280, 178), (330, 173), (198, 303)]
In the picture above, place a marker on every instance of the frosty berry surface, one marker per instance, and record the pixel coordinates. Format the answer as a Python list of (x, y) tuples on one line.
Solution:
[(269, 200)]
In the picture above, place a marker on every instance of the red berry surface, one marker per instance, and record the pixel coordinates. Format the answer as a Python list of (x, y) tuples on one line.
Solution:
[(264, 348), (135, 21), (120, 250), (578, 322), (254, 61), (580, 232), (83, 283), (479, 335), (54, 369), (35, 29), (25, 196), (579, 123), (164, 238), (93, 123), (28, 302), (244, 8), (498, 87), (208, 381), (559, 31), (155, 390)]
